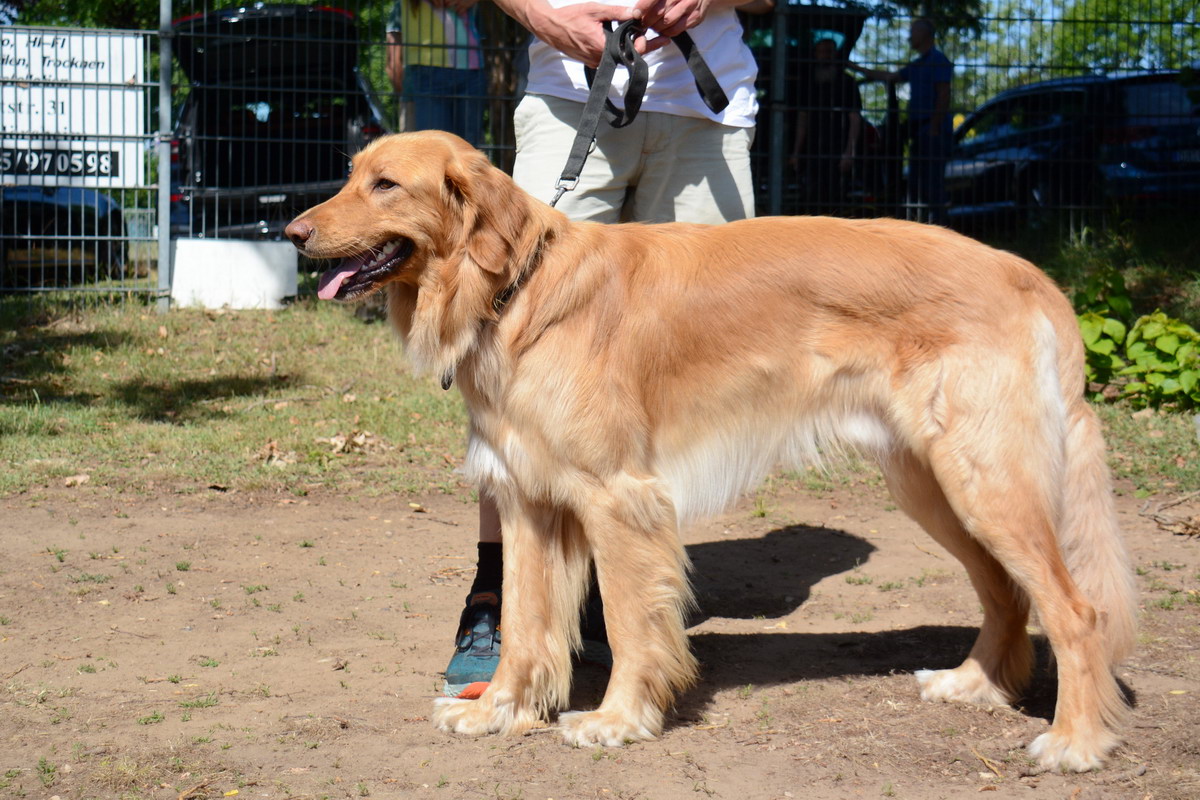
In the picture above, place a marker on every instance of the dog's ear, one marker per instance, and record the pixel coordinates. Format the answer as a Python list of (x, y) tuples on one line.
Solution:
[(493, 212)]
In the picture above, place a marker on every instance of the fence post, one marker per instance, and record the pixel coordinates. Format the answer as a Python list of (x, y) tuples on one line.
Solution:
[(165, 267), (776, 160)]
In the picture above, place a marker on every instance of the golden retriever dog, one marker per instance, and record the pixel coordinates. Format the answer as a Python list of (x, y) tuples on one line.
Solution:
[(625, 379)]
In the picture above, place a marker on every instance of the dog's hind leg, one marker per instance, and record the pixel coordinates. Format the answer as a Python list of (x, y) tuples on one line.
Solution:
[(545, 572), (1002, 485), (1001, 661), (641, 567)]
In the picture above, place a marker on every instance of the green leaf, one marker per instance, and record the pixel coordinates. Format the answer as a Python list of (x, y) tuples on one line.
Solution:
[(1168, 343), (1103, 346), (1170, 386), (1153, 330), (1115, 329), (1189, 379), (1091, 325)]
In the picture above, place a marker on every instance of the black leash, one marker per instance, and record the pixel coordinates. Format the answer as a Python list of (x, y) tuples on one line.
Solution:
[(619, 49)]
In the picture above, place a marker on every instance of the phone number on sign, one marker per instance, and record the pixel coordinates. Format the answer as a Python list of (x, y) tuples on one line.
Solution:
[(60, 162)]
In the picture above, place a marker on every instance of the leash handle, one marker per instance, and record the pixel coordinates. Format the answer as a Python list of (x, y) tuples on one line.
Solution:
[(619, 49), (706, 83)]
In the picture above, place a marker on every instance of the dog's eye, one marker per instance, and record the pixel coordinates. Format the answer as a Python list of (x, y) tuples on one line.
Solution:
[(383, 184)]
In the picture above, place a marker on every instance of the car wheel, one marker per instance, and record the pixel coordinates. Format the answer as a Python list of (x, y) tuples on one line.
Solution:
[(112, 252)]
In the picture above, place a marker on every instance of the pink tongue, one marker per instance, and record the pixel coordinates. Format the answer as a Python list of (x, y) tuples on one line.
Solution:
[(332, 280)]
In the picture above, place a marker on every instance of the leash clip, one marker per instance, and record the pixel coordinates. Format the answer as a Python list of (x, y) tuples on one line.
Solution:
[(561, 187)]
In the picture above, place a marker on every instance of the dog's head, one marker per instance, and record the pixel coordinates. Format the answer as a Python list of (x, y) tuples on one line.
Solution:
[(413, 202)]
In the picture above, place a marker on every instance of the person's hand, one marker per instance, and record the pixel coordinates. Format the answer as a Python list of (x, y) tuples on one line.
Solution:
[(669, 18), (577, 30)]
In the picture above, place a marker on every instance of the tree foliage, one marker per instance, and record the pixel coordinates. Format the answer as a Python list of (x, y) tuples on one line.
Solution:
[(117, 14), (1104, 35)]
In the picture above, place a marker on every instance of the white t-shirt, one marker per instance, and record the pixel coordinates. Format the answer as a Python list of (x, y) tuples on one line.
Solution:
[(671, 88)]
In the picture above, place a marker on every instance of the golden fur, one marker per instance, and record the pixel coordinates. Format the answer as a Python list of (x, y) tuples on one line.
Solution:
[(623, 379)]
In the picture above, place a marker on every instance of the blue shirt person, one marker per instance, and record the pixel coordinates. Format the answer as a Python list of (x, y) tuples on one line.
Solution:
[(929, 122)]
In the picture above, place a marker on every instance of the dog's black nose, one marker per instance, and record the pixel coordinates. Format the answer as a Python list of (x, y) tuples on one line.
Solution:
[(299, 232)]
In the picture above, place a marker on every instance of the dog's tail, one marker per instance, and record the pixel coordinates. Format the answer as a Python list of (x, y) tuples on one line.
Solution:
[(1088, 532)]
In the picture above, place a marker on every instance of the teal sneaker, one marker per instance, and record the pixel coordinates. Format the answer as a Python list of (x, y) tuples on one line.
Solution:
[(477, 652)]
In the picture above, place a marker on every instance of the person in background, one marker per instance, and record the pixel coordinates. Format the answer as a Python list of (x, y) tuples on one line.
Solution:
[(435, 62), (677, 161), (929, 121), (828, 128)]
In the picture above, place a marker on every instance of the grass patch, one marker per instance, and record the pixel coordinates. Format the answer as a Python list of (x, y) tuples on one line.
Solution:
[(87, 577), (292, 400), (207, 701), (1158, 451)]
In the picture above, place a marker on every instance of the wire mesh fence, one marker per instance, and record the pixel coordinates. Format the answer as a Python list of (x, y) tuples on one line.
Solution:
[(76, 167), (1044, 116)]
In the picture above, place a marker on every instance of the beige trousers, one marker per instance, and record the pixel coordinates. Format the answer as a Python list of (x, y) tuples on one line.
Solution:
[(661, 168)]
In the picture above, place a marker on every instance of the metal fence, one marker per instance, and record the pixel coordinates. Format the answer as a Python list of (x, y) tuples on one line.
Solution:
[(77, 165), (1061, 113)]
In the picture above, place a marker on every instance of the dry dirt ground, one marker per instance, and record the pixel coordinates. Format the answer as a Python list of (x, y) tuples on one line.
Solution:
[(216, 644)]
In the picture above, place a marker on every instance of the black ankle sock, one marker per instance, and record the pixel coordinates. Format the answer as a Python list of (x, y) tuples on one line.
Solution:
[(490, 574)]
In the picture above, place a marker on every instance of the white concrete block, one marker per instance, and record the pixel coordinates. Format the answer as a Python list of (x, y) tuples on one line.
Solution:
[(232, 273)]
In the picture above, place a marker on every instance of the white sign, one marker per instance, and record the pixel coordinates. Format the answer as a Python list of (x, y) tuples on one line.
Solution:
[(65, 98)]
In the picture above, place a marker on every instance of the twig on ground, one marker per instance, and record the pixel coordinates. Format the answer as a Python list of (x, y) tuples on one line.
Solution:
[(1178, 525), (987, 762), (191, 791), (927, 552), (16, 672)]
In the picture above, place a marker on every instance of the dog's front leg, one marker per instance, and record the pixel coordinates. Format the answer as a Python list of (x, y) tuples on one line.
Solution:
[(641, 567), (545, 566)]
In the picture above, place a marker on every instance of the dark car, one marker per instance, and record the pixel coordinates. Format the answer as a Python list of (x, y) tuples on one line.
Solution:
[(275, 109), (1082, 142), (51, 235)]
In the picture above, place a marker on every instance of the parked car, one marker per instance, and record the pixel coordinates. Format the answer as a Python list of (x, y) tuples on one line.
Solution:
[(1077, 142), (275, 109), (54, 235)]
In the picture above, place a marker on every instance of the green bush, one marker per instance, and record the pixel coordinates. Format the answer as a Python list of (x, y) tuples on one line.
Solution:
[(1164, 362), (1153, 362)]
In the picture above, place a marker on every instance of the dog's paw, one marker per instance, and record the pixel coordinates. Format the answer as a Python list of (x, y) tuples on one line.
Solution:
[(1054, 751), (965, 684), (479, 717), (584, 728)]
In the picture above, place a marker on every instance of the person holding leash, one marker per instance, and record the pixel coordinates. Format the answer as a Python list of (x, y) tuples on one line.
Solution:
[(677, 161)]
